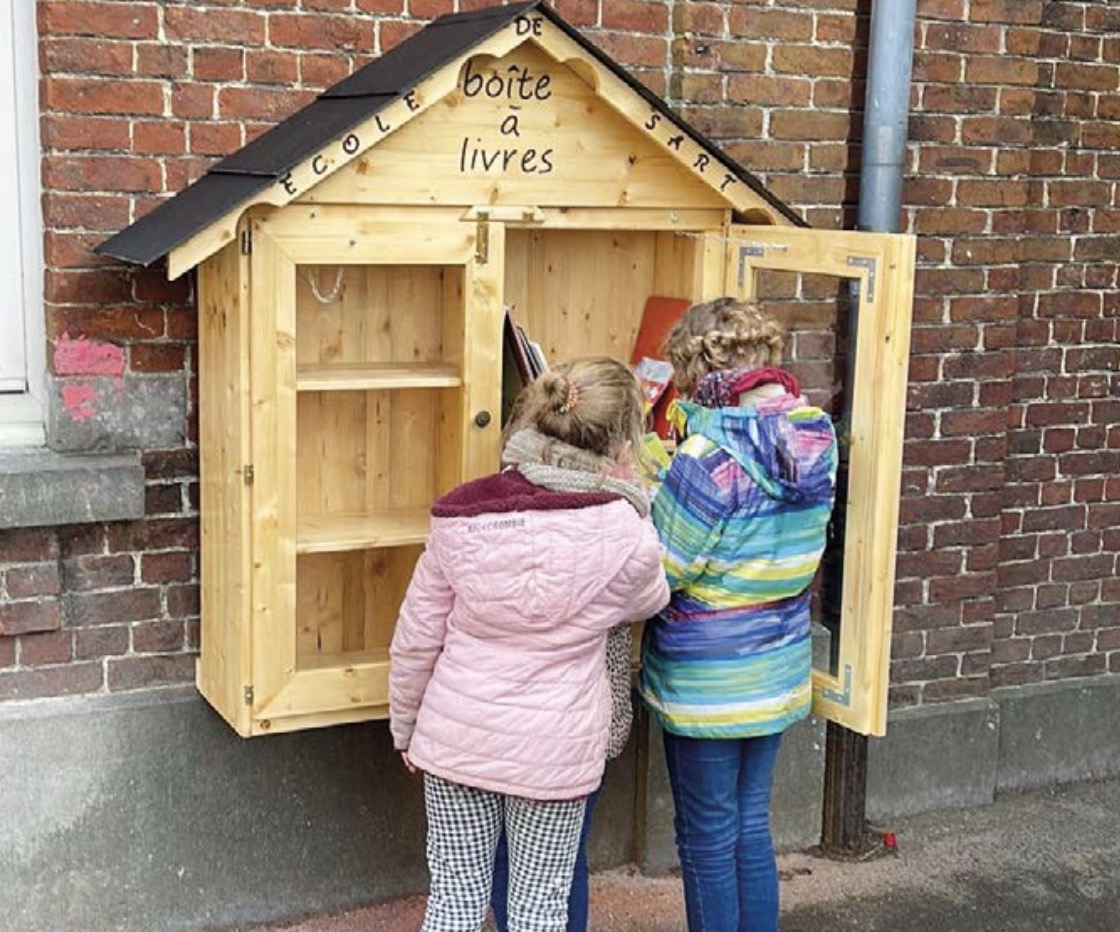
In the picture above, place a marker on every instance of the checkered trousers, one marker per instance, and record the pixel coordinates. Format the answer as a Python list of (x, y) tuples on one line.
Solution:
[(463, 828)]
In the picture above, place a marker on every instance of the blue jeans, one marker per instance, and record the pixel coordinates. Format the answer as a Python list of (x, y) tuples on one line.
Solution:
[(721, 791), (578, 896)]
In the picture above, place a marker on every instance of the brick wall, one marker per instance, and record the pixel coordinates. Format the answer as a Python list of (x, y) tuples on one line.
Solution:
[(1007, 570)]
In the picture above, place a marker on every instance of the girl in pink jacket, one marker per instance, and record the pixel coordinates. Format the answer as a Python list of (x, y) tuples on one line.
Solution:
[(499, 690)]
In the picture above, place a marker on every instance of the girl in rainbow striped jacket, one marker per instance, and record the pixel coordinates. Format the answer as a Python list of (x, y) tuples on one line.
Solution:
[(726, 668)]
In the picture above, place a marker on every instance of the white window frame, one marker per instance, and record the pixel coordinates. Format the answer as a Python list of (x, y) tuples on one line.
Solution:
[(23, 334)]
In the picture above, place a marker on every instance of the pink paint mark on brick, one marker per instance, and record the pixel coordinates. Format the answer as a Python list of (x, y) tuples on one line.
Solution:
[(84, 356), (79, 400)]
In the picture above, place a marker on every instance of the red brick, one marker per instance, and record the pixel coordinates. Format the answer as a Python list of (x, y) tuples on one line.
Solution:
[(108, 608), (924, 668), (962, 38), (161, 61), (31, 580), (629, 16), (86, 56), (93, 95), (63, 131), (1065, 667), (127, 673), (183, 601), (227, 64), (1102, 18), (40, 649), (88, 212), (576, 12), (762, 90), (1016, 674), (29, 617), (967, 98), (1103, 78), (322, 71), (185, 24), (63, 680), (1018, 41), (765, 155), (789, 25), (1079, 193), (192, 101), (101, 19), (159, 137), (105, 641), (167, 464), (811, 60), (838, 28), (175, 566), (269, 67), (1005, 11), (699, 18), (101, 172), (838, 94), (954, 588), (941, 219), (98, 572), (260, 103), (392, 33), (996, 130), (337, 33), (157, 637), (935, 67), (818, 126)]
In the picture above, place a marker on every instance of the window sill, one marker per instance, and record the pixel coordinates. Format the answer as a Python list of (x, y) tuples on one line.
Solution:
[(39, 488)]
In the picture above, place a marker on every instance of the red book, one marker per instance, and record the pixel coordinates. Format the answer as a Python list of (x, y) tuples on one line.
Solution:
[(658, 318)]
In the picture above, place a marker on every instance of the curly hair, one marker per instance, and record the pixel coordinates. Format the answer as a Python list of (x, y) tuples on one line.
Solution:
[(722, 334), (592, 402)]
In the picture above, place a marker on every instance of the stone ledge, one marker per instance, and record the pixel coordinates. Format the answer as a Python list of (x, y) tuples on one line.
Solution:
[(39, 488), (941, 756), (1058, 732)]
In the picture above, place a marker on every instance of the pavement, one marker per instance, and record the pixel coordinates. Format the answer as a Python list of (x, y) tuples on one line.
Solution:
[(1044, 861)]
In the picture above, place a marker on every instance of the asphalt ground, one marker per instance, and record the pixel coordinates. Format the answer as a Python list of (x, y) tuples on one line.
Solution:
[(1043, 861)]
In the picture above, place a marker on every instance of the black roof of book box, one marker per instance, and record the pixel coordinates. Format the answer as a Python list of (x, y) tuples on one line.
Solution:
[(239, 178)]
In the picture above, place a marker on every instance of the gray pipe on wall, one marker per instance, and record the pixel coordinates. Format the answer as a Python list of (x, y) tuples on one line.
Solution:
[(886, 113)]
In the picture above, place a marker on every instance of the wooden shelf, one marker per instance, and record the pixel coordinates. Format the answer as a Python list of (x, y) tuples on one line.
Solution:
[(376, 376), (343, 660), (395, 527)]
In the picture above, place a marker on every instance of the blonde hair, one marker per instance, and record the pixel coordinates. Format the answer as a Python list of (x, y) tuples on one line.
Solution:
[(722, 334), (593, 403)]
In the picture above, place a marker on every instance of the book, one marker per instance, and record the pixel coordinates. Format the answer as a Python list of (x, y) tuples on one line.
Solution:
[(658, 318), (523, 361), (654, 376)]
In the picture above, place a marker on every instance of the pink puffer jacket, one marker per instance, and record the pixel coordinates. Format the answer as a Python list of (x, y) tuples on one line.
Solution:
[(498, 677)]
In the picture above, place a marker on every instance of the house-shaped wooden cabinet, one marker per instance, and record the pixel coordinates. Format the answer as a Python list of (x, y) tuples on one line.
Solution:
[(353, 268)]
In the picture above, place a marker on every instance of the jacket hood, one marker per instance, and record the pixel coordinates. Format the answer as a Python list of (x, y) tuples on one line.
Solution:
[(507, 491), (521, 556), (786, 446)]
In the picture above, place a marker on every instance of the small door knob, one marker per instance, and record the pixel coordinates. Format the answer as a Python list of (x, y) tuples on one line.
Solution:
[(482, 418)]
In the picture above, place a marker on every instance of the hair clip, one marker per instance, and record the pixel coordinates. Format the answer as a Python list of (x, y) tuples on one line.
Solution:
[(571, 400)]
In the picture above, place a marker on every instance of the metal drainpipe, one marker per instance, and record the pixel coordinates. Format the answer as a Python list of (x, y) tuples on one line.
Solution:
[(886, 113)]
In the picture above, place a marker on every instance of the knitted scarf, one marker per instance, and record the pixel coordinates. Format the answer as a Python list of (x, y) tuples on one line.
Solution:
[(722, 389), (559, 466)]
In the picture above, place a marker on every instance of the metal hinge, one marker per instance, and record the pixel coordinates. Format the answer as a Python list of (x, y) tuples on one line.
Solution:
[(247, 474), (246, 242), (248, 695)]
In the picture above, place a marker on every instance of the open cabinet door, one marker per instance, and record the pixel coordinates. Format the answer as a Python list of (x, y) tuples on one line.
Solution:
[(852, 691), (375, 389)]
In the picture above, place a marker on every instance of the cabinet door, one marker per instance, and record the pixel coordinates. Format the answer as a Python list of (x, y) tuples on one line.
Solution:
[(850, 686), (375, 388)]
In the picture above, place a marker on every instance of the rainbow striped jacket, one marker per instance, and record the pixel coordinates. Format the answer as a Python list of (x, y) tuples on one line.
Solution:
[(742, 514)]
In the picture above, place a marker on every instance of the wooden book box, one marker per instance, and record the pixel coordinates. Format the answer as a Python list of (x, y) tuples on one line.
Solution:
[(353, 268)]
